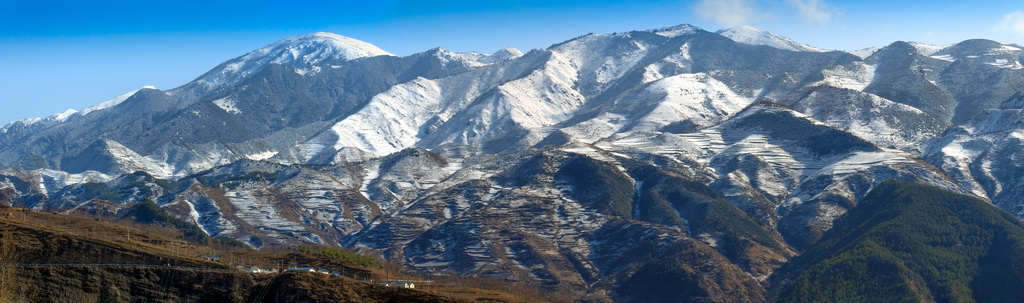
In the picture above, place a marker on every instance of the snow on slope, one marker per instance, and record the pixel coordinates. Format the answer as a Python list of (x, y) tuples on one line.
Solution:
[(359, 136), (546, 96), (676, 61), (676, 31), (754, 36), (49, 180), (961, 149), (227, 104), (303, 52), (541, 98), (501, 55), (67, 114), (928, 49), (59, 117), (132, 161), (855, 76), (865, 52), (62, 116), (724, 142), (391, 121), (414, 109), (986, 51), (602, 58), (698, 99), (878, 120), (504, 54), (112, 102)]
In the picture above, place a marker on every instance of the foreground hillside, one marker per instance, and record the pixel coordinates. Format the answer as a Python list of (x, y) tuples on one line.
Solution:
[(912, 243), (903, 242), (59, 258)]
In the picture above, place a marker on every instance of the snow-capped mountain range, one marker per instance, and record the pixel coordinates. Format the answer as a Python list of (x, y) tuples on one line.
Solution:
[(563, 167)]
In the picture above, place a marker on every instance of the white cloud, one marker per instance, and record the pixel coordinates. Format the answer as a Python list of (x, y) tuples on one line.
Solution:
[(815, 11), (728, 12), (1012, 22)]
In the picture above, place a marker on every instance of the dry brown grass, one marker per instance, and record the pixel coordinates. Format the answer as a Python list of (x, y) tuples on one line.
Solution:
[(166, 243), (8, 269), (488, 290)]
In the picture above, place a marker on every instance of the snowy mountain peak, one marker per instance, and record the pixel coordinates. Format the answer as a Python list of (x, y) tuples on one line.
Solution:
[(113, 102), (66, 114), (923, 48), (316, 47), (438, 50), (864, 53), (988, 51), (745, 28), (475, 58), (303, 52), (502, 55), (894, 51), (928, 49), (754, 36), (676, 31), (446, 56)]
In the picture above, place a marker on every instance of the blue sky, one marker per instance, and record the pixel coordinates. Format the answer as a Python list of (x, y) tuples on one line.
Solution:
[(57, 55)]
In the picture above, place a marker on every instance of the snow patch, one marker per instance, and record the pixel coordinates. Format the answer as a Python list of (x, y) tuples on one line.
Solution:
[(928, 49), (132, 161), (261, 155), (228, 105), (194, 215), (1006, 63), (62, 116), (307, 71), (866, 52), (855, 76), (652, 73), (391, 121), (698, 98)]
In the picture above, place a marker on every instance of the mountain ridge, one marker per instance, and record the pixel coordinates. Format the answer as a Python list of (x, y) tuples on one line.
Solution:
[(562, 168)]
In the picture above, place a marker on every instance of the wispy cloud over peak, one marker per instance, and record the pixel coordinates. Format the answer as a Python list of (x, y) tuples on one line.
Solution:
[(1012, 22), (728, 12), (815, 11)]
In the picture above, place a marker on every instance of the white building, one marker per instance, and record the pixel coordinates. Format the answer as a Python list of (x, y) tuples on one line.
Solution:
[(401, 284)]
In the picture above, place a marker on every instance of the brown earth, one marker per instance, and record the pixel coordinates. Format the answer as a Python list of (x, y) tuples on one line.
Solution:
[(67, 258)]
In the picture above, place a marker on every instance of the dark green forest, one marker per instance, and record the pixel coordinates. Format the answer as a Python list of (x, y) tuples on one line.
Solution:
[(912, 243)]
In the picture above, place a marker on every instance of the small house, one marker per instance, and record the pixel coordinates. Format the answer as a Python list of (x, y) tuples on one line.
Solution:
[(260, 270)]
